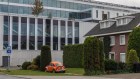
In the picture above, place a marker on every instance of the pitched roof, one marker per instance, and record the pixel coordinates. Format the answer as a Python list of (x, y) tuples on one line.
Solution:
[(114, 28)]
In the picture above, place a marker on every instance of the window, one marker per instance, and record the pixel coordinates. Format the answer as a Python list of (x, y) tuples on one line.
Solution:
[(122, 39), (108, 14), (112, 55), (119, 22), (112, 40), (117, 14), (122, 57), (124, 21), (96, 13)]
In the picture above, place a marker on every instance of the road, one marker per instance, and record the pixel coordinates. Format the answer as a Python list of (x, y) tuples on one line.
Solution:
[(51, 77), (65, 77), (10, 77)]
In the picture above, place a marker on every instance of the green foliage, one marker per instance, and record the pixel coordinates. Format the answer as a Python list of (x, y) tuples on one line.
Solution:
[(132, 58), (134, 41), (32, 67), (115, 67), (45, 57), (110, 65), (101, 54), (107, 47), (36, 61), (73, 56), (92, 58), (38, 7), (25, 65)]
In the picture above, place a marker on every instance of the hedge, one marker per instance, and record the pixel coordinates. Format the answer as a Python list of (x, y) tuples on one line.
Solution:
[(45, 57), (73, 56)]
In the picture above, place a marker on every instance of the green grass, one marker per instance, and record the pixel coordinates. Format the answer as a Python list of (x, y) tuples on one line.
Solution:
[(69, 72)]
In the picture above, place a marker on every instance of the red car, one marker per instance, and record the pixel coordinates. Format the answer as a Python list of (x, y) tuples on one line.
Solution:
[(55, 67)]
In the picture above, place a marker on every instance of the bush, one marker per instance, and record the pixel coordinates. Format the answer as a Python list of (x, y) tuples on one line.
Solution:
[(32, 67), (92, 52), (45, 57), (110, 65), (132, 58), (73, 56), (36, 61), (122, 66), (25, 65), (134, 41)]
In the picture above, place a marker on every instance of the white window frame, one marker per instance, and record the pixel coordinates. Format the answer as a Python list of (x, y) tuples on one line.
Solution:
[(110, 55), (121, 39), (120, 57), (112, 38)]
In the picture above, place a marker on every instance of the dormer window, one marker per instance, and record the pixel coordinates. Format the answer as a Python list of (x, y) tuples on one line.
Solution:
[(124, 20), (106, 23)]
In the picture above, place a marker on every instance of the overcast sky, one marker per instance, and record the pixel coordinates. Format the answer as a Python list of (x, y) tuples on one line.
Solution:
[(124, 2)]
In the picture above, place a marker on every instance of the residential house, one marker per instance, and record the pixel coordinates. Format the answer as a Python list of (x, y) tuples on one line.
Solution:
[(118, 29)]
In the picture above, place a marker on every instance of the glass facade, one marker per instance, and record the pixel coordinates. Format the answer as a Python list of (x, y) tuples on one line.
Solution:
[(63, 34), (55, 34), (15, 33), (40, 33), (63, 13), (24, 33), (70, 32), (6, 27), (48, 32), (32, 34), (76, 32), (59, 27)]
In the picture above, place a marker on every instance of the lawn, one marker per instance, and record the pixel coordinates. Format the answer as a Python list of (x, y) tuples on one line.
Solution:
[(69, 72)]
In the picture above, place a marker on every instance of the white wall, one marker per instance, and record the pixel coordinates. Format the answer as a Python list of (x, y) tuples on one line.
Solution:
[(113, 13), (18, 57), (84, 28)]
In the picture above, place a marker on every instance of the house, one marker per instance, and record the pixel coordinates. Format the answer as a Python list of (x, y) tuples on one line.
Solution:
[(118, 29)]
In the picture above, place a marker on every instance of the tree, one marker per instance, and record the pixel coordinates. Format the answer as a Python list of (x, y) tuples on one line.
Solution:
[(92, 52), (132, 58), (37, 8), (107, 47), (134, 41), (45, 57)]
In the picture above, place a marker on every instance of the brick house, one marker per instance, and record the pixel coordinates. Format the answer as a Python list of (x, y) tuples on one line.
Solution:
[(118, 30)]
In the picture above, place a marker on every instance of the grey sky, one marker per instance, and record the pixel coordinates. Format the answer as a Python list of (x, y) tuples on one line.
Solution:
[(124, 2)]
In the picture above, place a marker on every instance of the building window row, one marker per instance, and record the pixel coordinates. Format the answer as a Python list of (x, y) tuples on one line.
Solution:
[(32, 33), (121, 40), (122, 56)]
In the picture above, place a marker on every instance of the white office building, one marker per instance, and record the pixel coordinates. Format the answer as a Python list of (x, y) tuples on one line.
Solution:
[(62, 22)]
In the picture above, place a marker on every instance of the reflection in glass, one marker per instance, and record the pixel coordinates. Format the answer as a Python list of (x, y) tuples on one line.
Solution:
[(15, 33), (40, 33), (32, 34), (23, 33), (55, 35)]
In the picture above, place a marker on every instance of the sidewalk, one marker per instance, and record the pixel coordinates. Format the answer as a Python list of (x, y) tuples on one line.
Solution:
[(65, 77)]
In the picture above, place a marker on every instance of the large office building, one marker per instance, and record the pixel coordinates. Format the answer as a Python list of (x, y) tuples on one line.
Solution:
[(62, 22)]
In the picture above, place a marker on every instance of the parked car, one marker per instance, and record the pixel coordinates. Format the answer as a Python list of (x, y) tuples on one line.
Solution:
[(55, 67)]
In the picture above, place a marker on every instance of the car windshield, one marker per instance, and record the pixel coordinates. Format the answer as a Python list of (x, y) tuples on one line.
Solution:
[(58, 64)]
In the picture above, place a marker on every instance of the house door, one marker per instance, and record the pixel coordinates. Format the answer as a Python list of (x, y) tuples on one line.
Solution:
[(5, 61)]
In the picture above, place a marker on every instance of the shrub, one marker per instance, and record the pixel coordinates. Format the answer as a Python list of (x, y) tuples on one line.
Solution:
[(25, 65), (110, 65), (73, 56), (121, 66), (36, 61), (45, 57), (92, 51), (132, 58), (32, 67), (134, 41)]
